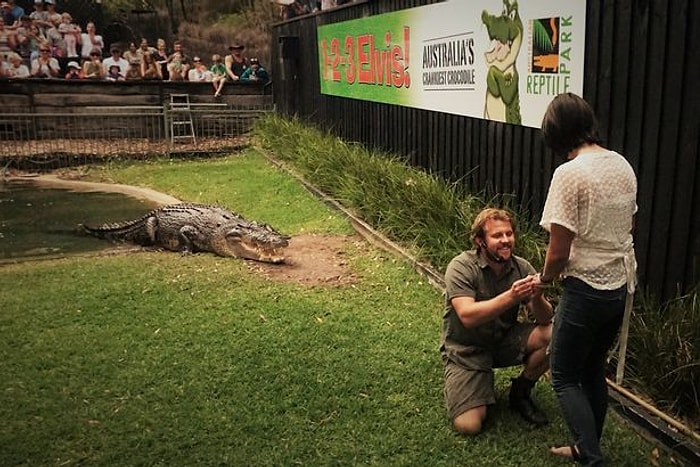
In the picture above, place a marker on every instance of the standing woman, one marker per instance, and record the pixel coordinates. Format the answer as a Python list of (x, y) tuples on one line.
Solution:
[(89, 41), (589, 213)]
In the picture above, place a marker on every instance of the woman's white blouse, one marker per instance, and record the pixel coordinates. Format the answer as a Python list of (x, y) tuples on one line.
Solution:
[(594, 196)]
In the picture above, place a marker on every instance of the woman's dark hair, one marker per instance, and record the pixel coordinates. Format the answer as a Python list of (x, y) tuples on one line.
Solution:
[(568, 123)]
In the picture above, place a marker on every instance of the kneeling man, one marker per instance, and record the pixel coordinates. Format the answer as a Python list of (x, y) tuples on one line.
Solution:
[(485, 288)]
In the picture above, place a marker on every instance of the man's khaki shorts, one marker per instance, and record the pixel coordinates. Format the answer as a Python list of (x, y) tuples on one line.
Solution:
[(469, 388)]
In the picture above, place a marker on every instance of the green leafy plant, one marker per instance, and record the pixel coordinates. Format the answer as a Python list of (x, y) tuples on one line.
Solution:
[(418, 209), (664, 353)]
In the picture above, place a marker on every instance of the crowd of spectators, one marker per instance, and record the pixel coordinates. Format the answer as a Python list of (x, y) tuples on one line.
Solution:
[(49, 44)]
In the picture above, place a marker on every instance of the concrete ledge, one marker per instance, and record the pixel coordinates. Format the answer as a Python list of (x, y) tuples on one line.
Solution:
[(78, 185)]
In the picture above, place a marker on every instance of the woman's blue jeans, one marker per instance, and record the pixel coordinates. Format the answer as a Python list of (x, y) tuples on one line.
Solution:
[(585, 326)]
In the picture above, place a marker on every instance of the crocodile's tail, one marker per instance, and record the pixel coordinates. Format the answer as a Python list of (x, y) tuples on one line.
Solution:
[(126, 231)]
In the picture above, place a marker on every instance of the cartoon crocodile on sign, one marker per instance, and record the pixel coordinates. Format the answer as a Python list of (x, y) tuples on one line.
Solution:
[(190, 227), (506, 34)]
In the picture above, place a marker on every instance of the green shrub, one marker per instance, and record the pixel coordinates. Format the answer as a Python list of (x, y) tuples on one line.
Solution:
[(663, 359)]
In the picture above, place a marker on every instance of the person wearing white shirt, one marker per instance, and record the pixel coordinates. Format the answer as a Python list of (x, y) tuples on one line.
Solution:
[(199, 73), (89, 41), (589, 214), (116, 59), (15, 68), (45, 66)]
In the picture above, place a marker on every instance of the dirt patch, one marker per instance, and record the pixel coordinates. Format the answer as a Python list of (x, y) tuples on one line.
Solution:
[(313, 260)]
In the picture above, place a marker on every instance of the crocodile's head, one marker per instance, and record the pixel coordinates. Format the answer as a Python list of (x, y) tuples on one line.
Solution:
[(252, 240), (506, 34)]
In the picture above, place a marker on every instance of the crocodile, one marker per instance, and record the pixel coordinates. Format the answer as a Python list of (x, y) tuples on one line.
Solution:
[(506, 33), (192, 227)]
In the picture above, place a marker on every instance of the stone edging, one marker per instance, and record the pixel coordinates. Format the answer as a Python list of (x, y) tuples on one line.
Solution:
[(79, 185)]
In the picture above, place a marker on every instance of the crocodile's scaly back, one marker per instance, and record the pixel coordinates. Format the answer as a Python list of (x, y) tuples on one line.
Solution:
[(191, 227)]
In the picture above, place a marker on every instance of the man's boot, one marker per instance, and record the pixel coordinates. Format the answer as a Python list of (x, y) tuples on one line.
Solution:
[(520, 401)]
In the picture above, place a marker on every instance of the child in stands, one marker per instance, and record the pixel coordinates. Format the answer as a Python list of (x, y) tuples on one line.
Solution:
[(114, 74), (218, 74), (70, 33), (74, 71)]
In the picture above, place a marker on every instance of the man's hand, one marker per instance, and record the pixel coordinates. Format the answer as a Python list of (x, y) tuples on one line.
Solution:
[(473, 313), (523, 290), (539, 305)]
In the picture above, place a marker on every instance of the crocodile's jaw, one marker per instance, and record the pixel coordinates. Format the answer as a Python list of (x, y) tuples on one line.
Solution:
[(267, 247), (264, 253), (259, 242)]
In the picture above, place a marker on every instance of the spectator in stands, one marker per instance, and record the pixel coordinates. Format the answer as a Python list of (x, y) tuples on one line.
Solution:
[(218, 74), (23, 39), (90, 41), (199, 72), (161, 57), (51, 13), (149, 68), (133, 54), (114, 73), (15, 68), (7, 40), (296, 8), (134, 72), (16, 13), (7, 17), (144, 47), (175, 67), (184, 61), (235, 62), (93, 67), (74, 71), (55, 38), (39, 16), (255, 74), (71, 35), (116, 59), (45, 66)]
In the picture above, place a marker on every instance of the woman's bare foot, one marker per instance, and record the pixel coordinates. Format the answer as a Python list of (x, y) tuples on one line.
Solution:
[(561, 451), (567, 452)]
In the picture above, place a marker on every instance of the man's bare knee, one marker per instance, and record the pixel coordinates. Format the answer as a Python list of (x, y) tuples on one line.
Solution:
[(470, 422)]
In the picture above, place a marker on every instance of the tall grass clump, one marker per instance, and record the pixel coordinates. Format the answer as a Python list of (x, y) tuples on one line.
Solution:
[(664, 353), (411, 206)]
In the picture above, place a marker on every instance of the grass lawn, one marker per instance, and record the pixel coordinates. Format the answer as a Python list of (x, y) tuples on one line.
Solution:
[(154, 358)]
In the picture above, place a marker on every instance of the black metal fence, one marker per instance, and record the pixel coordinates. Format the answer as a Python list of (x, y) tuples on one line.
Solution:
[(641, 77), (50, 140)]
